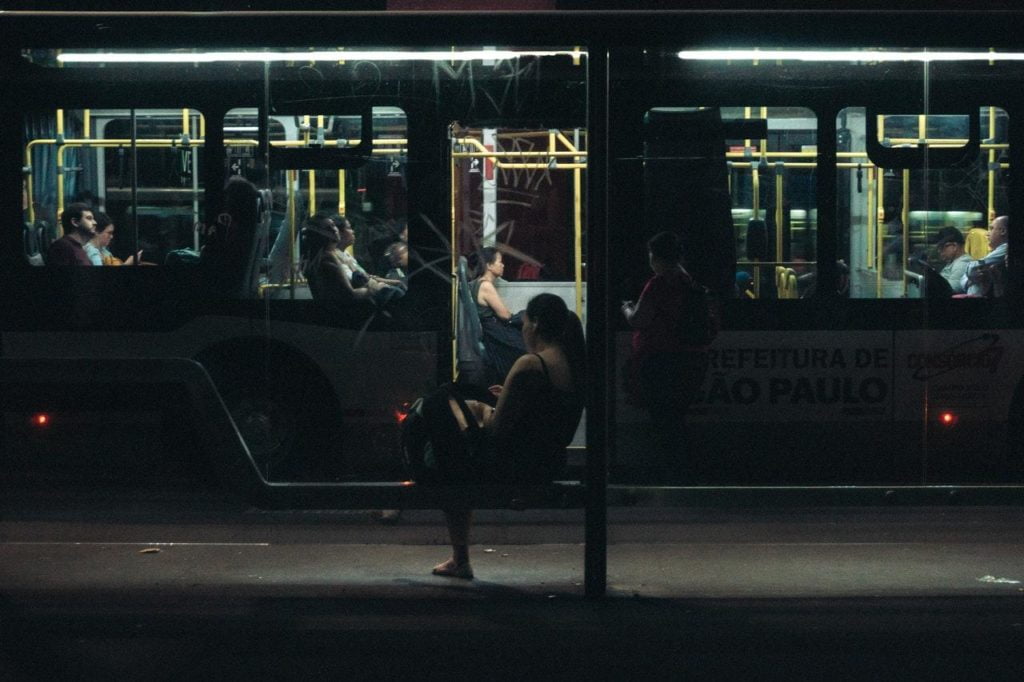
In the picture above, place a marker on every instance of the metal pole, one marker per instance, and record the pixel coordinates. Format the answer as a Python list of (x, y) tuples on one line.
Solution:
[(827, 188), (601, 346)]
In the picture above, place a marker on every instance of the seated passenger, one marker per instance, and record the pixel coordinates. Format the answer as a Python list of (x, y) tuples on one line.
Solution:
[(79, 227), (745, 285), (398, 258), (335, 275), (503, 342), (524, 437), (96, 248), (949, 244), (983, 276)]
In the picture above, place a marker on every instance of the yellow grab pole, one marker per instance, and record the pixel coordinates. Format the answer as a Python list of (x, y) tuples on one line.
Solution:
[(60, 171), (567, 142), (341, 191), (871, 219), (754, 174), (577, 205), (906, 227), (292, 178), (311, 209), (86, 123), (762, 148), (60, 188), (779, 216), (880, 233), (453, 265), (991, 166), (184, 122)]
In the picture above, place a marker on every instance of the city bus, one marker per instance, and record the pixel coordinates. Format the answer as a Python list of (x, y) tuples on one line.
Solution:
[(806, 176)]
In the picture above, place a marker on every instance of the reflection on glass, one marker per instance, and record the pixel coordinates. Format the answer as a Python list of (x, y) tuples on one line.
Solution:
[(371, 197)]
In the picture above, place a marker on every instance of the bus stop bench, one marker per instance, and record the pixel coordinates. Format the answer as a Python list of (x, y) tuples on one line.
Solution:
[(412, 495)]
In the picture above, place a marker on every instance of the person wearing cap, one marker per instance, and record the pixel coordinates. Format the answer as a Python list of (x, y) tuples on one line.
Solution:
[(949, 244), (982, 275)]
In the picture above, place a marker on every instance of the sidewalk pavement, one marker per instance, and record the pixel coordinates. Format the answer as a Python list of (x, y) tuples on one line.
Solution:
[(709, 594)]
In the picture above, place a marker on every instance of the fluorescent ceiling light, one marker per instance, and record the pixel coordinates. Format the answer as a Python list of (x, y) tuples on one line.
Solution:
[(317, 56), (849, 56)]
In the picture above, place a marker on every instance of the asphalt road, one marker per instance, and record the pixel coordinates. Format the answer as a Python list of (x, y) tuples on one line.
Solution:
[(147, 586)]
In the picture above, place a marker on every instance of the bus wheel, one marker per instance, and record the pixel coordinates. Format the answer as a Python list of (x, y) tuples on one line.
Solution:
[(283, 406)]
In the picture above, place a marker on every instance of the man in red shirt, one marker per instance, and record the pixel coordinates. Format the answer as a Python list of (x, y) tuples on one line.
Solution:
[(79, 227)]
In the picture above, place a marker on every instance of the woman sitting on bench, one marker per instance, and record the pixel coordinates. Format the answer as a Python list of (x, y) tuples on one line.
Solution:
[(539, 407)]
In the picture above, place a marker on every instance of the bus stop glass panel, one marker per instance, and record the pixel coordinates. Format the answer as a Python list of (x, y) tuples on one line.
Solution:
[(389, 147)]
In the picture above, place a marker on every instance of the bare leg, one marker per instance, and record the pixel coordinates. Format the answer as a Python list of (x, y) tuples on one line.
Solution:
[(458, 530)]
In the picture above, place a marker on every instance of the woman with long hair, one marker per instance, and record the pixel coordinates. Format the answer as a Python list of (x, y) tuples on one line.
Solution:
[(539, 407), (334, 274)]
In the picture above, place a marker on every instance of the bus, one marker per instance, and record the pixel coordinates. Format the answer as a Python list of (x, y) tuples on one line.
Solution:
[(806, 176)]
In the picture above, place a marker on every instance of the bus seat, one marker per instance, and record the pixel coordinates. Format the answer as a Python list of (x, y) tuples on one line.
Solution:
[(528, 272), (791, 287), (785, 282), (471, 356), (757, 240), (976, 243), (234, 262)]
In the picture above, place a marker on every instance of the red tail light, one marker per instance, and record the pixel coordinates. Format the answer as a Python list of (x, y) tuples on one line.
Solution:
[(948, 418)]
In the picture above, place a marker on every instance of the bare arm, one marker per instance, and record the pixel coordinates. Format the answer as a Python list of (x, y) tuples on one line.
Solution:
[(332, 268), (489, 296), (517, 394), (641, 313)]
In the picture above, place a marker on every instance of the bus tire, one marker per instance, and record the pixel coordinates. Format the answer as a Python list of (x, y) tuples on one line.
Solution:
[(283, 406)]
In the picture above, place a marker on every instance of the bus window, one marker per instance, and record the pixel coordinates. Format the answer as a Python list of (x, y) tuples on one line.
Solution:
[(372, 197), (153, 194), (772, 192), (890, 218), (519, 192), (769, 177)]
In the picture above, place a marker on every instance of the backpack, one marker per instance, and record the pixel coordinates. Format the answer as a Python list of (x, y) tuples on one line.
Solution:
[(700, 317), (434, 448)]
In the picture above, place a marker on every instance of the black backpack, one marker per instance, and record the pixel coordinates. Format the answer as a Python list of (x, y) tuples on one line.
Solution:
[(700, 317), (434, 448)]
